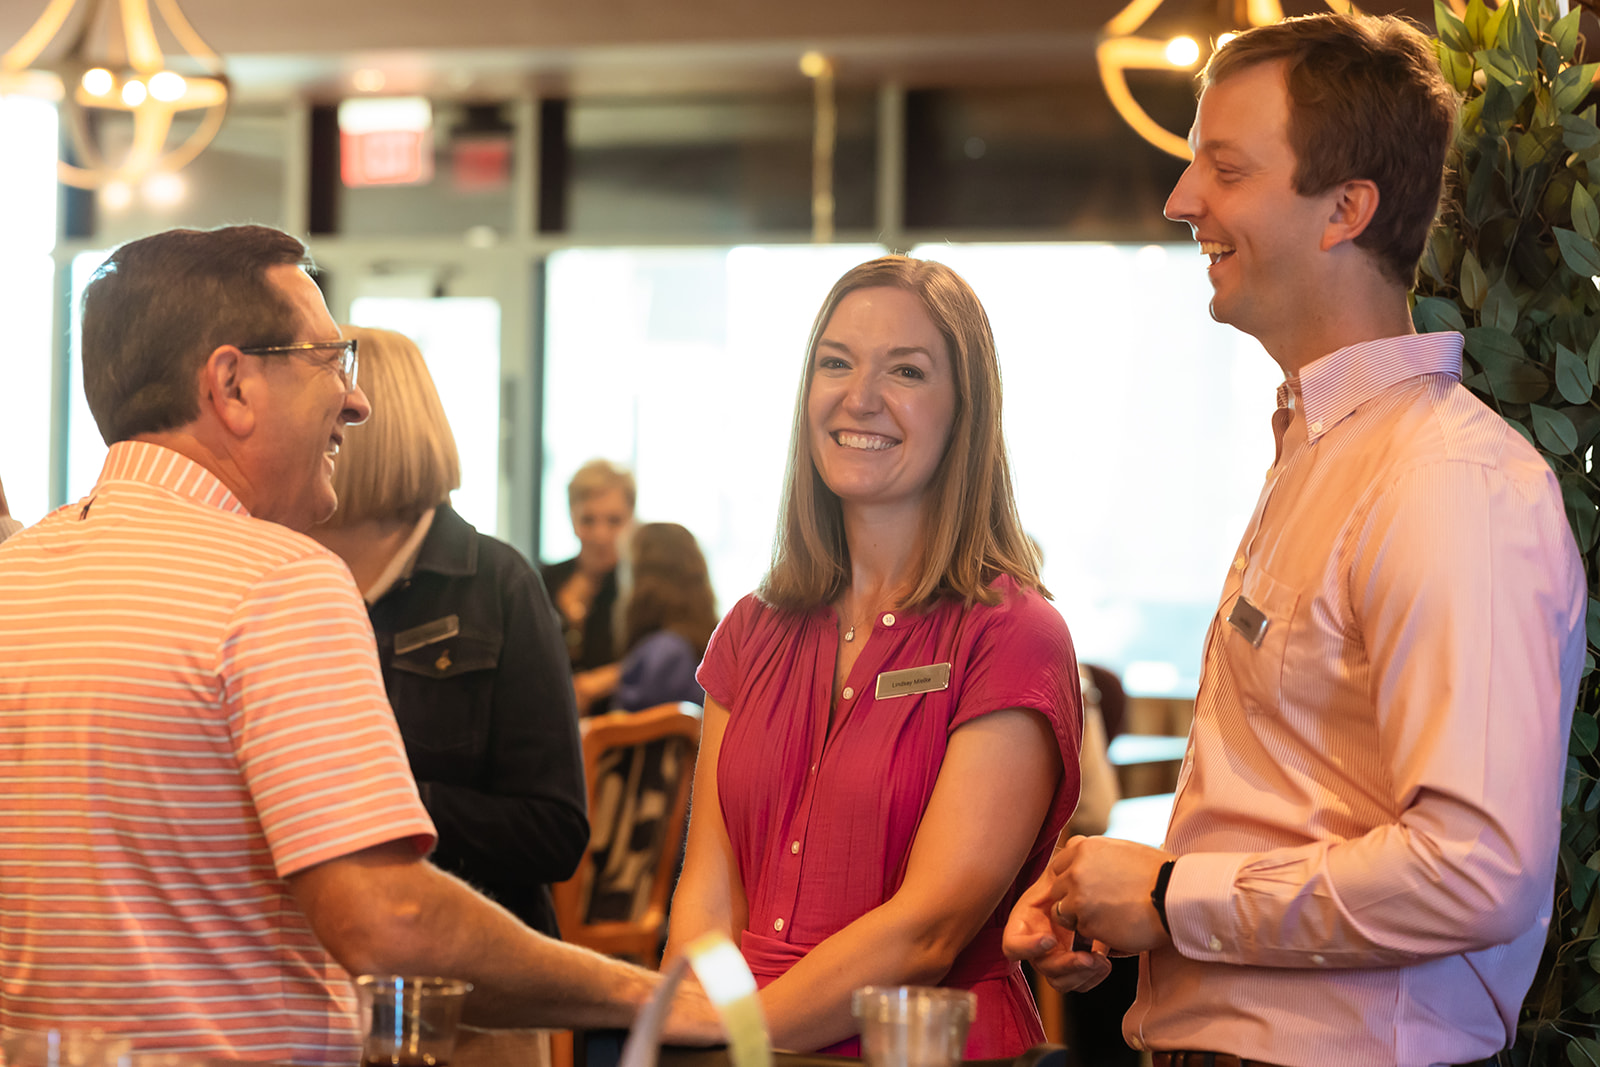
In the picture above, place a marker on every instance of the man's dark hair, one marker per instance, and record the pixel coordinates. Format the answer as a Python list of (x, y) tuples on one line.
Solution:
[(1366, 102), (159, 306)]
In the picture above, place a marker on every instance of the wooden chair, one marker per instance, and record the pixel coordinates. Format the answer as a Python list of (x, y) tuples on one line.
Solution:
[(638, 766)]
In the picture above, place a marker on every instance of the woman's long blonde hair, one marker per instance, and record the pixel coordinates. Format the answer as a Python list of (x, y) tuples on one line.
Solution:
[(971, 533)]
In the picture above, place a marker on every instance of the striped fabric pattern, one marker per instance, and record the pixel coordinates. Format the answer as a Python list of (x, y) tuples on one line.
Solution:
[(190, 710), (1368, 814)]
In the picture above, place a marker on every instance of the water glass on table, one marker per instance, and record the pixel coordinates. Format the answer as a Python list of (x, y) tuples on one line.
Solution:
[(913, 1026), (409, 1021)]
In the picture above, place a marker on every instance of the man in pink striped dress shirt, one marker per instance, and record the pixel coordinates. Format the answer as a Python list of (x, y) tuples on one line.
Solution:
[(1363, 844), (207, 822)]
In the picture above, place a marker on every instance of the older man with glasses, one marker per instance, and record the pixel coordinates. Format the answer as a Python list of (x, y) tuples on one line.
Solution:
[(206, 818)]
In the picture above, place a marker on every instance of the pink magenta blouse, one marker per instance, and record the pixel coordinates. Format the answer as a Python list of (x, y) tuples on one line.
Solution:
[(822, 824)]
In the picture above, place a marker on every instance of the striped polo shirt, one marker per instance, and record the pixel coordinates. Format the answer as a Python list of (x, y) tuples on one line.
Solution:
[(190, 711)]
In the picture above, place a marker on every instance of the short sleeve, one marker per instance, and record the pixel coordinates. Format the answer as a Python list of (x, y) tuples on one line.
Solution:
[(719, 670), (1020, 655), (314, 736)]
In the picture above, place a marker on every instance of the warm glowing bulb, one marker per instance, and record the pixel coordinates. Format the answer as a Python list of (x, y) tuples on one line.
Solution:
[(134, 92), (368, 80), (168, 86), (1183, 51), (163, 189), (116, 195), (815, 65), (1225, 38), (97, 82)]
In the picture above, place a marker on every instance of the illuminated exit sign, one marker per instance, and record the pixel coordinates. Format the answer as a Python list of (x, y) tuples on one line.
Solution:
[(386, 141)]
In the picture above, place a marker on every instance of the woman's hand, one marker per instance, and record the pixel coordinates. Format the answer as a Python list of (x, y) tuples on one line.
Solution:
[(1033, 935)]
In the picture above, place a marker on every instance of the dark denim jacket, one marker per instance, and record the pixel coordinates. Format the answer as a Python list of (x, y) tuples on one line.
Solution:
[(486, 710)]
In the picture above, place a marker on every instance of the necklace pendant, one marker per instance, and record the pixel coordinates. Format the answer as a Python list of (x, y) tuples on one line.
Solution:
[(850, 634)]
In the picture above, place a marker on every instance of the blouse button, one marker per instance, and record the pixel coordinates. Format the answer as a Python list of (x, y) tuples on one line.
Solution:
[(794, 848), (848, 692), (888, 619), (777, 924)]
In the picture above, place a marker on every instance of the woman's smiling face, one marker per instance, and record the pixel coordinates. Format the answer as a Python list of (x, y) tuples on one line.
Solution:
[(882, 400)]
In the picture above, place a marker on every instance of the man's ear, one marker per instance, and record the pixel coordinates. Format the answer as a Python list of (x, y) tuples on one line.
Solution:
[(1352, 207), (223, 391)]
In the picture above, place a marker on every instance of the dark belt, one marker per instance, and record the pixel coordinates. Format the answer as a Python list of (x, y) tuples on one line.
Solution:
[(1187, 1058)]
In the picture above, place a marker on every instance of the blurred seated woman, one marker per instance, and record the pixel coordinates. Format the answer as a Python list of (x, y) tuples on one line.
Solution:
[(601, 499), (471, 649), (670, 615), (891, 725)]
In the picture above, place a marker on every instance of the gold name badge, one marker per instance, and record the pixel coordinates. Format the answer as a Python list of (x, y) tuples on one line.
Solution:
[(929, 679), (426, 634)]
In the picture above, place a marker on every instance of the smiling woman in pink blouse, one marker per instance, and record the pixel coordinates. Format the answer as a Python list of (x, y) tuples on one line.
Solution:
[(892, 720)]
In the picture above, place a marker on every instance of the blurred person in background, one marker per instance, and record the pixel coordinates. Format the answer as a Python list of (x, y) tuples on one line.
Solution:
[(585, 588), (891, 731), (670, 614), (471, 650)]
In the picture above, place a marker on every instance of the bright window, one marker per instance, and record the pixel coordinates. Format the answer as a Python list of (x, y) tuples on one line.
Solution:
[(27, 234), (460, 341), (682, 365)]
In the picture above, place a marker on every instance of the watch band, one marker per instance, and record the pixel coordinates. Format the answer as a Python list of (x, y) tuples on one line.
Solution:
[(1158, 895)]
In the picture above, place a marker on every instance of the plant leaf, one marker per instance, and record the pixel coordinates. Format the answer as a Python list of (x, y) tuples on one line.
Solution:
[(1477, 18), (1585, 731), (1573, 84), (1578, 254), (1594, 358), (1501, 66), (1580, 510), (1492, 28), (1554, 430), (1500, 307), (1579, 132), (1456, 65), (1509, 375), (1585, 218), (1572, 376), (1474, 286), (1435, 314), (1564, 33), (1451, 29)]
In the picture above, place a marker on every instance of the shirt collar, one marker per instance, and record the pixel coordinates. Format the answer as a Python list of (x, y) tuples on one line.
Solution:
[(404, 560), (159, 466), (452, 549), (1330, 388)]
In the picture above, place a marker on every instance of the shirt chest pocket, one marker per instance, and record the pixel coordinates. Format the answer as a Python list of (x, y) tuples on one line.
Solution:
[(1255, 633), (443, 694)]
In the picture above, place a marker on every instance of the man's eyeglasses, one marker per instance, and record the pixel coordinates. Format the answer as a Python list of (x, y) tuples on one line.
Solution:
[(347, 355)]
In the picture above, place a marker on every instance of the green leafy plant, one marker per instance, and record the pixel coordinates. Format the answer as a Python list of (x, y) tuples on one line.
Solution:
[(1513, 264)]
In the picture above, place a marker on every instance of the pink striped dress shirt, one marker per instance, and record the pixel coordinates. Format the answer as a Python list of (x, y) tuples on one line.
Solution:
[(1368, 814), (190, 712)]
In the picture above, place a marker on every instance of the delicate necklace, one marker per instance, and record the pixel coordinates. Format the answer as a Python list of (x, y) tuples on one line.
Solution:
[(850, 634)]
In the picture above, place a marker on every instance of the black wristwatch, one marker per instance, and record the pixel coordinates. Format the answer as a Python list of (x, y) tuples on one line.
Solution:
[(1158, 895)]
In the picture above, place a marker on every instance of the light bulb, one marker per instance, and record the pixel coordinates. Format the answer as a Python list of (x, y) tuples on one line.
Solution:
[(168, 86), (1225, 38), (134, 92), (163, 189), (1183, 51), (97, 81), (368, 80), (116, 195)]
